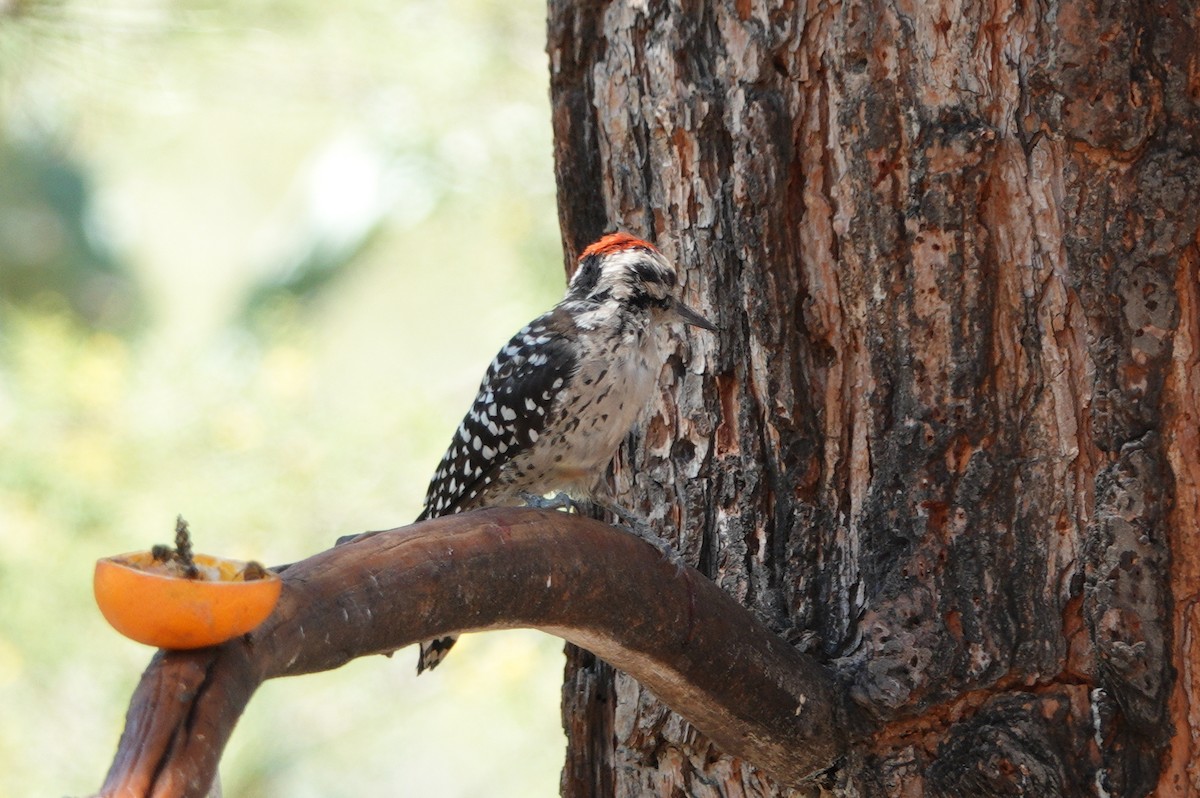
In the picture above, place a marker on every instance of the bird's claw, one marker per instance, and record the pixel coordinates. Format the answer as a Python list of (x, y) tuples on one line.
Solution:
[(559, 501), (636, 526), (628, 521)]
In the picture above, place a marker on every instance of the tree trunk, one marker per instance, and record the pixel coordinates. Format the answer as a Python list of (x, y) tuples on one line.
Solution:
[(947, 436)]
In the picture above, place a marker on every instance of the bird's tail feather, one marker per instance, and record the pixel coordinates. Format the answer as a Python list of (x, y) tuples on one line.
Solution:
[(433, 652)]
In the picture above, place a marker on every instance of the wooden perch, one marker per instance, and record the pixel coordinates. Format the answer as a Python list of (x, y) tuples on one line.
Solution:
[(672, 629)]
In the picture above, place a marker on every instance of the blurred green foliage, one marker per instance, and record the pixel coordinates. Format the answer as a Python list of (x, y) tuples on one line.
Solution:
[(46, 251), (254, 258)]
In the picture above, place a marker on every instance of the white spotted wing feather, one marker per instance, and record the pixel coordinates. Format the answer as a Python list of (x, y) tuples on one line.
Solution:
[(511, 410)]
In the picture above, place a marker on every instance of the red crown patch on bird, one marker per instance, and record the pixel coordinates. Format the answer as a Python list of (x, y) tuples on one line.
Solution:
[(616, 242)]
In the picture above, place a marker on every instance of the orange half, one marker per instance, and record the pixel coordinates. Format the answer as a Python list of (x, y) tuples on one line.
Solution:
[(174, 612)]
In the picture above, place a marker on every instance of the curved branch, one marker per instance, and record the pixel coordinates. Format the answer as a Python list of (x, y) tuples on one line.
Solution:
[(672, 629)]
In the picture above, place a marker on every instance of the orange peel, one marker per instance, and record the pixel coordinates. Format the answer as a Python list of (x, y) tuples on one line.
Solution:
[(144, 603)]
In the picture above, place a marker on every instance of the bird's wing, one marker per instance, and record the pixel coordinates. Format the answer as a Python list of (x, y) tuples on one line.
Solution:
[(509, 413)]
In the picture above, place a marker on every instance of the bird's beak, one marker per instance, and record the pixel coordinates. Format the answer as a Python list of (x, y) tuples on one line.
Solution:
[(689, 316)]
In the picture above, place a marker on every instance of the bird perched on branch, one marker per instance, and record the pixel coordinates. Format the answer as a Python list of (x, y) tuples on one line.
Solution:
[(560, 396)]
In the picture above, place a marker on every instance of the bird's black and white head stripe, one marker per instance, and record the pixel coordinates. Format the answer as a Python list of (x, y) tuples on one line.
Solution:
[(622, 269)]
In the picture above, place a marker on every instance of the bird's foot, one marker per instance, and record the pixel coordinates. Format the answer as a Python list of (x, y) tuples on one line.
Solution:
[(628, 521), (559, 501), (636, 526)]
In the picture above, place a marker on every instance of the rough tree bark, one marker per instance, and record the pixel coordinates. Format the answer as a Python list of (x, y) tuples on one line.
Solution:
[(947, 439)]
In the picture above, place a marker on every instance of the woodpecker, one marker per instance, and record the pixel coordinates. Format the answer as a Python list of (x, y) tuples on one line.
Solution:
[(560, 396)]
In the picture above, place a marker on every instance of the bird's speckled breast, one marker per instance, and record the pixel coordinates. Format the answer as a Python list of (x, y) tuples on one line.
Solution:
[(614, 383)]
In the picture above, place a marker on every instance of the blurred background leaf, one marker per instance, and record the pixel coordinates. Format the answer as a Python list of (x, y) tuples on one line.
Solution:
[(254, 258), (48, 254)]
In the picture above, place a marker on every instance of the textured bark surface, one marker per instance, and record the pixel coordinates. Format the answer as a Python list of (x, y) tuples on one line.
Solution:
[(947, 438)]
